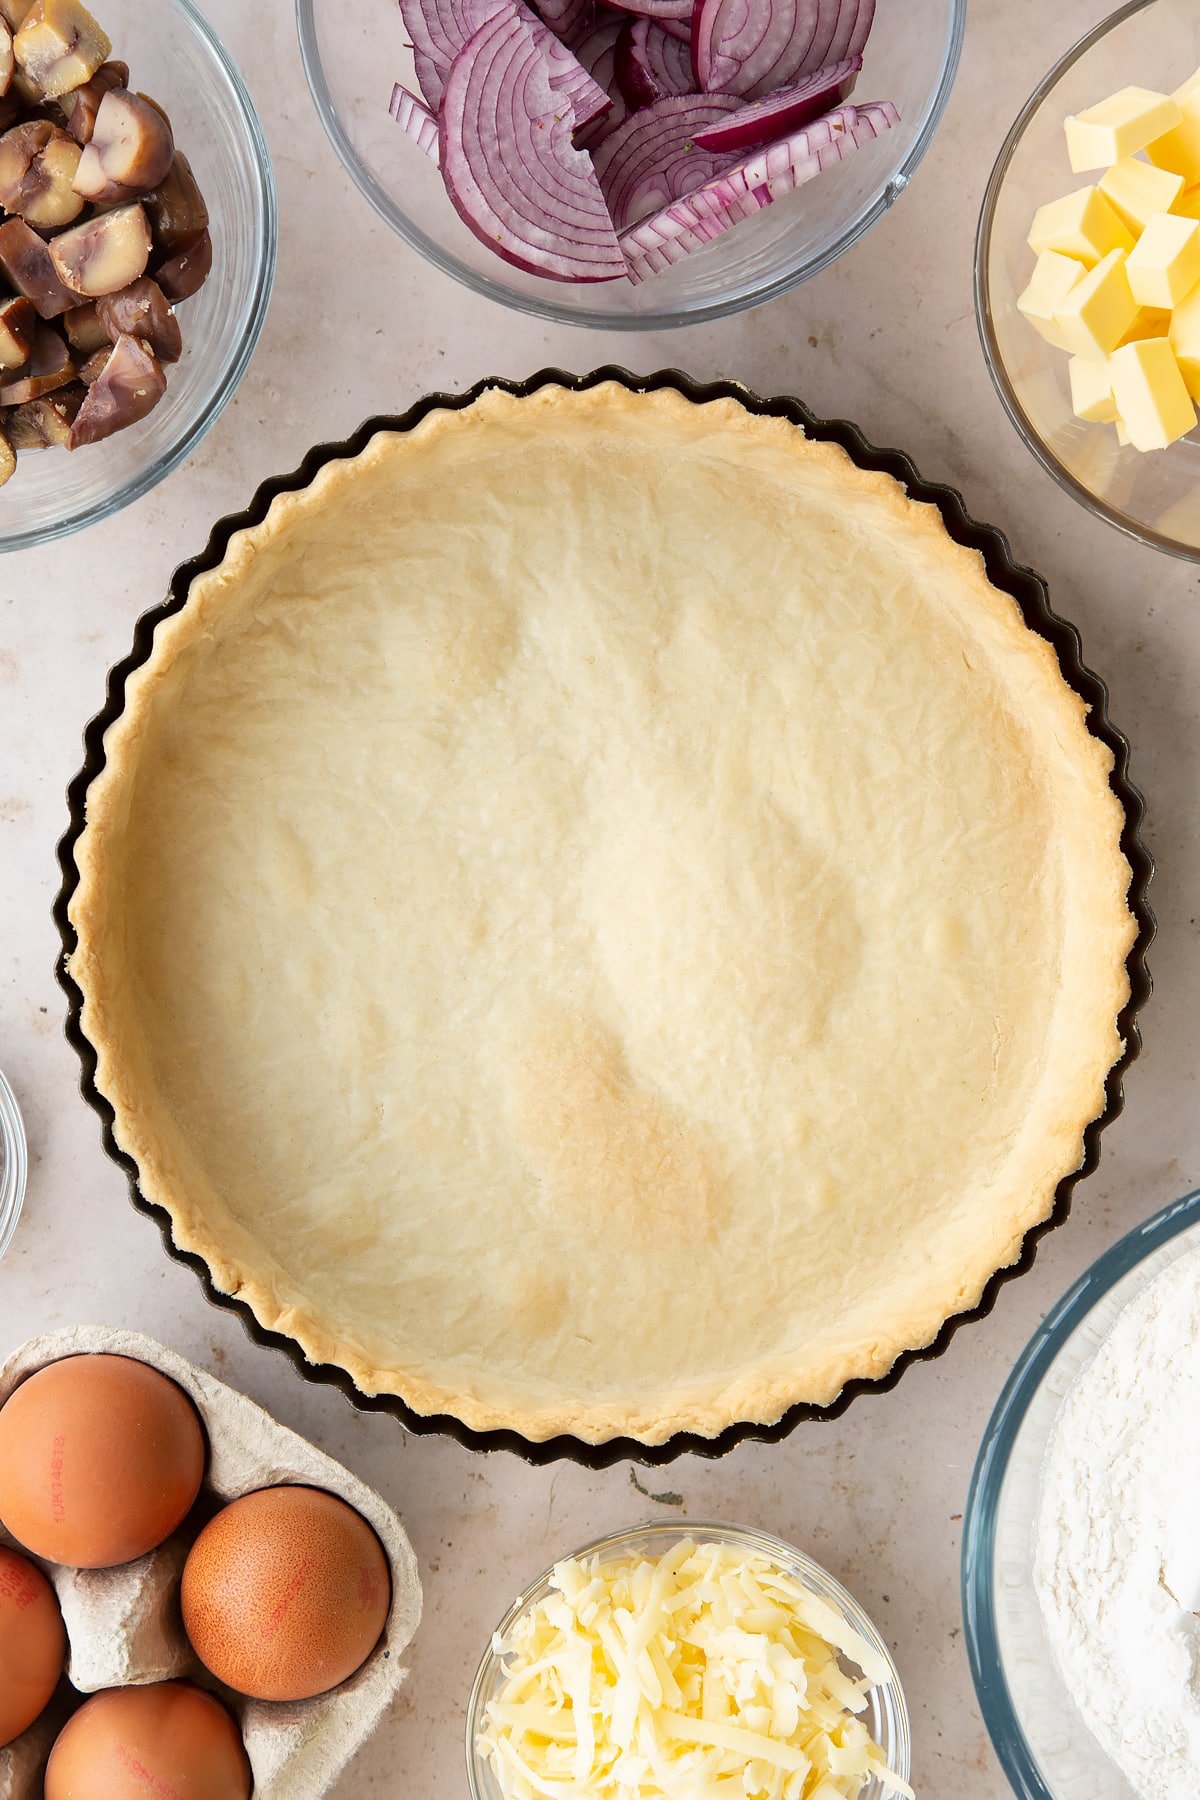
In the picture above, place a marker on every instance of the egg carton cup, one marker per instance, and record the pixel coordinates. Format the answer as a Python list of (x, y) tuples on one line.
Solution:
[(124, 1626)]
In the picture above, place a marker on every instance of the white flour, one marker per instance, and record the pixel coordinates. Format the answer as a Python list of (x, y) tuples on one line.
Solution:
[(1117, 1564)]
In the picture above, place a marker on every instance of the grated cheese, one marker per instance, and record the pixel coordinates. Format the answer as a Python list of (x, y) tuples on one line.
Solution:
[(704, 1674)]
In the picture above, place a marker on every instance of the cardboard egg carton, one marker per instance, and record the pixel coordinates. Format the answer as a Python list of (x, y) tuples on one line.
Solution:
[(124, 1626)]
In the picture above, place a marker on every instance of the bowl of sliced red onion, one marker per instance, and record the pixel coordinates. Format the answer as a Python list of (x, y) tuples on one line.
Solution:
[(656, 164)]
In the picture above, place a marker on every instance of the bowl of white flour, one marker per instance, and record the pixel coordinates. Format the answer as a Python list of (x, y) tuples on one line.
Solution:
[(1081, 1546)]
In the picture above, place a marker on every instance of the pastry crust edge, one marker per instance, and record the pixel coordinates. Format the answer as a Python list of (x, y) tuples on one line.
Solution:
[(753, 1397)]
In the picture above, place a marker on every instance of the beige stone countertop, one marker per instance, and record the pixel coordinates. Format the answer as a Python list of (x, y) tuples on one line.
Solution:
[(886, 337)]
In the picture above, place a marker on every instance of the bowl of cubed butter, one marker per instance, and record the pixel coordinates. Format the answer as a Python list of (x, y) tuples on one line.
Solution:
[(1087, 274)]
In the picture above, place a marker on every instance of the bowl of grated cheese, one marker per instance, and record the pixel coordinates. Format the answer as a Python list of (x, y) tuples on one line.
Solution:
[(683, 1663)]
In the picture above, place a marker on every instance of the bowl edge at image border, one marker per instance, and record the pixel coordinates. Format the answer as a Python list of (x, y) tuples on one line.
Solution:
[(14, 1163), (1031, 596), (1025, 429), (153, 473), (992, 1691)]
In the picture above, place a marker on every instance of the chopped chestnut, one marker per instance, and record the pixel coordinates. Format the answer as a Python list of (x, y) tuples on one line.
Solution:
[(130, 152), (26, 263), (185, 273), (141, 310), (176, 208), (160, 110), (102, 229), (37, 424), (81, 106), (18, 328), (129, 386), (84, 331), (37, 166), (49, 367), (95, 364), (25, 91), (104, 254), (59, 46)]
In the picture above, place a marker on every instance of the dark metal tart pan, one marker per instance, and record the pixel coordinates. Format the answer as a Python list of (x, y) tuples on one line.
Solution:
[(1030, 593)]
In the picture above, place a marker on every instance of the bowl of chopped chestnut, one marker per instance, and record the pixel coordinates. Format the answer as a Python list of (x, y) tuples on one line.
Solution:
[(137, 251)]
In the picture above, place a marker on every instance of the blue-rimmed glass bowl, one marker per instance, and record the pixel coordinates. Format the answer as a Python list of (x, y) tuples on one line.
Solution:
[(355, 49), (175, 55), (886, 1714), (1042, 1743)]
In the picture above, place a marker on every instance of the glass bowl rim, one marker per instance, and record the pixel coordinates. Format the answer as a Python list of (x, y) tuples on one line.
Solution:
[(991, 1467), (14, 1163), (1025, 429), (143, 480), (708, 1531), (595, 318)]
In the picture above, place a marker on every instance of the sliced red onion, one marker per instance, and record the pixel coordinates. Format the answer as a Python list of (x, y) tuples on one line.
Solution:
[(429, 78), (568, 77), (854, 28), (652, 158), (649, 64), (600, 18), (679, 28), (437, 30), (509, 165), (596, 53), (440, 28), (846, 24), (567, 19), (680, 10), (739, 48), (743, 188), (414, 117), (783, 112)]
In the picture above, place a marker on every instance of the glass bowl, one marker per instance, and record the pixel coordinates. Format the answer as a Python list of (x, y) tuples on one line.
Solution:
[(13, 1164), (173, 54), (1041, 1741), (886, 1715), (355, 49), (1154, 497)]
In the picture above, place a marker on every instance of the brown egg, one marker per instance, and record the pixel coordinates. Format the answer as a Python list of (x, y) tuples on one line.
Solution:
[(33, 1644), (171, 1739), (285, 1593), (101, 1458)]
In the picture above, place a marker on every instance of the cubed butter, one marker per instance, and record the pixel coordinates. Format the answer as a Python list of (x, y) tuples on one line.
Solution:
[(1099, 309), (1164, 265), (1084, 225), (1151, 394), (1137, 190), (1151, 321), (1184, 337), (1179, 148), (1120, 126), (1188, 204), (1091, 390), (1052, 280)]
